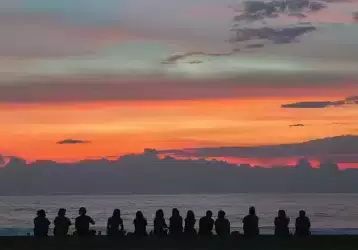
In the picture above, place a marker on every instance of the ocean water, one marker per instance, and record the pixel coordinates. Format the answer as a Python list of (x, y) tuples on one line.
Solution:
[(329, 213)]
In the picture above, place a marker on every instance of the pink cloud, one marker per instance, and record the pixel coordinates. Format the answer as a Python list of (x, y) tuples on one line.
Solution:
[(43, 35), (208, 11)]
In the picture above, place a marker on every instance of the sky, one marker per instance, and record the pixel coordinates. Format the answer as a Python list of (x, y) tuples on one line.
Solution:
[(90, 79)]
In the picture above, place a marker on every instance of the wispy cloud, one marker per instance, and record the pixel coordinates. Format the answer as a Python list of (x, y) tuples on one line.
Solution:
[(297, 125), (352, 100), (72, 141)]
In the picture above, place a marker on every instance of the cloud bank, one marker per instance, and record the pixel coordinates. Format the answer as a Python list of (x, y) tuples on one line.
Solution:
[(341, 149)]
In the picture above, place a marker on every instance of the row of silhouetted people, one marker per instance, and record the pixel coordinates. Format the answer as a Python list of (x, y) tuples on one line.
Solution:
[(177, 226)]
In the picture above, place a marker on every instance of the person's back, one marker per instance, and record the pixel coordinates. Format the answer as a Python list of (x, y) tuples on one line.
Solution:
[(175, 223), (251, 223), (281, 224), (41, 224), (222, 225), (115, 224), (160, 225), (140, 225), (83, 222), (303, 225), (190, 221), (62, 223), (206, 224)]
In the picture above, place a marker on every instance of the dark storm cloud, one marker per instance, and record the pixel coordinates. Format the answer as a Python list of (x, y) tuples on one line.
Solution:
[(322, 104), (275, 35), (72, 141), (258, 10)]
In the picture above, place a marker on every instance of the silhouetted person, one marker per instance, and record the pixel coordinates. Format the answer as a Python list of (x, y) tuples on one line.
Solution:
[(115, 226), (303, 225), (222, 224), (140, 225), (62, 223), (83, 222), (41, 224), (189, 228), (175, 223), (281, 224), (206, 224), (160, 227), (251, 223)]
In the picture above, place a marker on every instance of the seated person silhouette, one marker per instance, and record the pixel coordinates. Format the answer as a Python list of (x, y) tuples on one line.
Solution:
[(160, 227), (222, 224), (82, 224), (62, 224), (206, 224), (115, 226), (41, 224), (189, 228), (303, 225), (251, 223), (281, 224), (140, 225), (175, 223)]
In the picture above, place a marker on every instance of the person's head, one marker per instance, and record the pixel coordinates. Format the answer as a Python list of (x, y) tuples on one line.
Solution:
[(82, 211), (139, 215), (41, 213), (175, 212), (252, 211), (281, 213), (302, 213), (116, 213), (159, 213), (61, 212), (190, 214), (221, 214), (209, 214)]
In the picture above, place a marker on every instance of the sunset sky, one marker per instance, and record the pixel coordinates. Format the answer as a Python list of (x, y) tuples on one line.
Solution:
[(90, 79)]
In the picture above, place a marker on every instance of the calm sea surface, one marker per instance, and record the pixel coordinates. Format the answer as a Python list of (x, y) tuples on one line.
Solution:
[(329, 213)]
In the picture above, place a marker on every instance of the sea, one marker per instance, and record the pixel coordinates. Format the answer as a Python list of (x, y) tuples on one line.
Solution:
[(329, 213)]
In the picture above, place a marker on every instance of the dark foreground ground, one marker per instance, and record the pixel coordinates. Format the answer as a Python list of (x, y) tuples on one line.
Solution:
[(258, 243)]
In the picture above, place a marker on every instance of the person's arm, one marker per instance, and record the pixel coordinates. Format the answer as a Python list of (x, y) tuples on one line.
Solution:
[(108, 224), (91, 221), (309, 223), (121, 224)]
